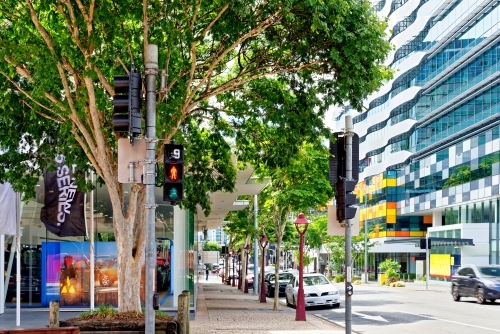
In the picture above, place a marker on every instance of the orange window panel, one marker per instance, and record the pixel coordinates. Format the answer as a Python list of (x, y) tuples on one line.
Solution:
[(402, 233), (427, 219), (391, 205)]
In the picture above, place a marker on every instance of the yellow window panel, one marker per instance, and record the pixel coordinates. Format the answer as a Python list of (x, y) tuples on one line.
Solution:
[(391, 220), (391, 182)]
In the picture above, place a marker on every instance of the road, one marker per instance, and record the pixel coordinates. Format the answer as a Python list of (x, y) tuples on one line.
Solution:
[(386, 310)]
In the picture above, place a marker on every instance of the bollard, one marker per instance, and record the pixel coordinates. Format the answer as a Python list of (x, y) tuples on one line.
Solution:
[(183, 312), (54, 314)]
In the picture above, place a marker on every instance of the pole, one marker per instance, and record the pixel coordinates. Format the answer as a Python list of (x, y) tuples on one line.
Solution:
[(151, 66), (366, 251), (427, 256), (347, 223), (233, 278), (255, 247), (262, 283), (300, 312), (247, 254)]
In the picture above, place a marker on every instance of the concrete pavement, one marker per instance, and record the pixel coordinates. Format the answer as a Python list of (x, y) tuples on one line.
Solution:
[(225, 309)]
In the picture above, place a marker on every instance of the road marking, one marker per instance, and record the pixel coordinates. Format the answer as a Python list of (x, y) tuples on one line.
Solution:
[(369, 317), (340, 323), (488, 307), (450, 321)]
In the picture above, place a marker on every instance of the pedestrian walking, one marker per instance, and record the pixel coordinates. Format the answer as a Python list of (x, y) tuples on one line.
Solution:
[(206, 272)]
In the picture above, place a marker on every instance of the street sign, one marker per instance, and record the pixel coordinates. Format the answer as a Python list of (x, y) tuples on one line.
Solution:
[(130, 158)]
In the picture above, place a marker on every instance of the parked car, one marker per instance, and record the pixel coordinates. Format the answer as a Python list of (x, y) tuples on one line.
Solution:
[(31, 281), (480, 282), (250, 280), (318, 290), (283, 280)]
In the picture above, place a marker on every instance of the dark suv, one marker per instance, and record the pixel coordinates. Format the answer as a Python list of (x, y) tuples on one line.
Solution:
[(481, 282)]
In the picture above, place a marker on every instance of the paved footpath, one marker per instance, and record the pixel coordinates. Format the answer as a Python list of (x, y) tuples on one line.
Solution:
[(222, 308)]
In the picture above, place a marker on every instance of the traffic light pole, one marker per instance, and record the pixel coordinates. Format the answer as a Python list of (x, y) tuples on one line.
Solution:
[(348, 134), (151, 66)]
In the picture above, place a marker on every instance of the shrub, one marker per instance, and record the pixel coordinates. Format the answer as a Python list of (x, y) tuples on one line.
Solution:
[(339, 278), (357, 282), (400, 284), (424, 278)]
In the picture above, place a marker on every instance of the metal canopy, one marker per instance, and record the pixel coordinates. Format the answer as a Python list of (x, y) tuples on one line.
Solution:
[(435, 242)]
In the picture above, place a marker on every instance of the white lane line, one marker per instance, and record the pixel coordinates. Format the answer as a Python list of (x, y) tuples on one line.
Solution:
[(450, 321), (488, 307)]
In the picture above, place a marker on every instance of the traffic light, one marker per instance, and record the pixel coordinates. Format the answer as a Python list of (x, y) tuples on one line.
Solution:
[(173, 187), (127, 104), (345, 199)]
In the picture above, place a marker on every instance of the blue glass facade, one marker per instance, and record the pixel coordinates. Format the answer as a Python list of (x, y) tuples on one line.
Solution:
[(437, 124)]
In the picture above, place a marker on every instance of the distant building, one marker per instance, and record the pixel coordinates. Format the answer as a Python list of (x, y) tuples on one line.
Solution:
[(429, 141)]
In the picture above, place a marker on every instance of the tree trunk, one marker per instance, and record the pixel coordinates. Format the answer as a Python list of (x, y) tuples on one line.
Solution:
[(244, 264), (130, 241), (277, 271)]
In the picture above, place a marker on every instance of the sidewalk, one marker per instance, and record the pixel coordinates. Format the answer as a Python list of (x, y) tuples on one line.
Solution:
[(222, 308)]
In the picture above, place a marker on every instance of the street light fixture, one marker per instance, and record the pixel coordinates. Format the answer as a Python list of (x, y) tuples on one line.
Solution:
[(247, 249), (263, 243), (301, 224)]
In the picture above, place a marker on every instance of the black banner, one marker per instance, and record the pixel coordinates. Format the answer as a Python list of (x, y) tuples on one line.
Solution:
[(64, 210)]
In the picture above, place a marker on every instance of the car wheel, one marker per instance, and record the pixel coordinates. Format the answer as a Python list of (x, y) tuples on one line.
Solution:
[(336, 305), (454, 293), (480, 296), (104, 280), (287, 302), (270, 293), (492, 300)]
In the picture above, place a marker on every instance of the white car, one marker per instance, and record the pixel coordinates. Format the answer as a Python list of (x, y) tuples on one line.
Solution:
[(318, 291)]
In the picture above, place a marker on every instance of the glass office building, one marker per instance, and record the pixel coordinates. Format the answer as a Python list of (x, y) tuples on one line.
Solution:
[(429, 139)]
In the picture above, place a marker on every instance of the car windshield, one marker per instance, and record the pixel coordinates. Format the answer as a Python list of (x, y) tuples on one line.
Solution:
[(315, 280), (490, 271), (285, 277)]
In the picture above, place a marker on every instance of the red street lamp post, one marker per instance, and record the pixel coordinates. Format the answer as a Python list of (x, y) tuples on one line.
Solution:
[(239, 268), (233, 284), (263, 243), (247, 249), (301, 224)]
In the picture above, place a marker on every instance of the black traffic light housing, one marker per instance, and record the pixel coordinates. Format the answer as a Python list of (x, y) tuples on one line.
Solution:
[(173, 184), (127, 103), (345, 199)]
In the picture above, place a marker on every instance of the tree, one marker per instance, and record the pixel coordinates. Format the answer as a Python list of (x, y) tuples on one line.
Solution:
[(337, 250), (300, 185), (233, 67), (212, 246)]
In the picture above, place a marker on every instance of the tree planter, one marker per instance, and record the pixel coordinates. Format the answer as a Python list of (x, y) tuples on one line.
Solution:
[(120, 326)]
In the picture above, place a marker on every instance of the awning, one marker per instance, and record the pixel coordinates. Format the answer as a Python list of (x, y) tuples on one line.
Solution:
[(434, 241)]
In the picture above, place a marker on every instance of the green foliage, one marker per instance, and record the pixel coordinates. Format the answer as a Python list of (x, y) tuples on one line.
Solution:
[(337, 249), (339, 278), (389, 265), (251, 79), (212, 246), (424, 278)]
